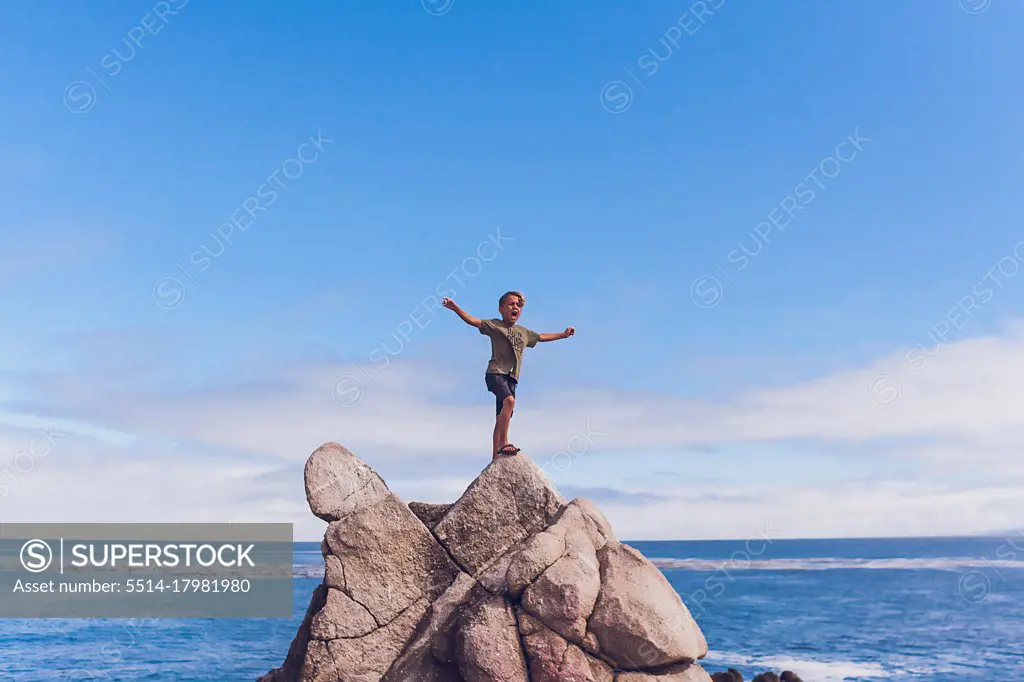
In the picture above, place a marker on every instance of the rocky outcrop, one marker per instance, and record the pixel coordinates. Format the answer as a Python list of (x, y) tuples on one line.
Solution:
[(511, 583), (429, 514), (733, 675)]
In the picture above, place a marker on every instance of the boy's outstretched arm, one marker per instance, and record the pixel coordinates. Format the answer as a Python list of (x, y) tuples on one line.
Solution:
[(466, 317), (555, 336)]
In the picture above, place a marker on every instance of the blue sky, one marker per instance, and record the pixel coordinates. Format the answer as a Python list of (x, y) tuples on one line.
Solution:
[(620, 155)]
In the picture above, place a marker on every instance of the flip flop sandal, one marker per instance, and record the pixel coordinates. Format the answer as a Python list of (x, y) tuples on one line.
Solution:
[(508, 450)]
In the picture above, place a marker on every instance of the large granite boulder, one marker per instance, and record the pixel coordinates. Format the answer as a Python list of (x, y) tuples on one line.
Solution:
[(639, 619), (507, 504), (511, 583)]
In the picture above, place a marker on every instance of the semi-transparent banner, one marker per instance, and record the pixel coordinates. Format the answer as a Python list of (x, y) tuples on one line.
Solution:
[(146, 570)]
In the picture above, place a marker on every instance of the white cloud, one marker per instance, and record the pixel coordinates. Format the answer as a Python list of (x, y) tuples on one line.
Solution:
[(35, 251), (855, 511), (957, 413), (80, 485), (84, 481)]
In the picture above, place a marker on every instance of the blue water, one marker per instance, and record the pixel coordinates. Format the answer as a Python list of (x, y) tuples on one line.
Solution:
[(942, 610)]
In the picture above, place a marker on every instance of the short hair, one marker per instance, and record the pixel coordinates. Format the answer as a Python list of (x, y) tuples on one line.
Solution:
[(517, 294)]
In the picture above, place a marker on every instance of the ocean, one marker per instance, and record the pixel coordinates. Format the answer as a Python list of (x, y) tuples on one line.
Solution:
[(937, 609)]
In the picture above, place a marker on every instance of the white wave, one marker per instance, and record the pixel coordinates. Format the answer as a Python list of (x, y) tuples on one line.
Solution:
[(809, 670), (832, 564), (819, 564), (824, 670), (308, 570)]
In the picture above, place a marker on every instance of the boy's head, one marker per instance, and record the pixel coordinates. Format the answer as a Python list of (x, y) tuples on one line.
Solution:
[(510, 305)]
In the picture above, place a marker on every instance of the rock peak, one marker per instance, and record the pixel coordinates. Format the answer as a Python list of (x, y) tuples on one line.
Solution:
[(511, 583)]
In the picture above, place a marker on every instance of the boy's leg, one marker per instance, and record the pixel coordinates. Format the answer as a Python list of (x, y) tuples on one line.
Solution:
[(504, 389), (502, 422), (497, 385), (498, 442), (509, 404)]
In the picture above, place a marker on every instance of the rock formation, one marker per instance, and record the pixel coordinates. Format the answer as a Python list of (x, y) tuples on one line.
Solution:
[(733, 675), (511, 583)]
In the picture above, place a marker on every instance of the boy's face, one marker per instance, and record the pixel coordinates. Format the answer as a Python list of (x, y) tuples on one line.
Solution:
[(511, 308)]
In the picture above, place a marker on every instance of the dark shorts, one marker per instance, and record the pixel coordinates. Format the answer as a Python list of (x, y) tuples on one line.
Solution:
[(502, 386)]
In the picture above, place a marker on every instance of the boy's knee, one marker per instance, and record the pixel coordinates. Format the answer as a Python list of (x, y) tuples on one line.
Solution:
[(509, 403)]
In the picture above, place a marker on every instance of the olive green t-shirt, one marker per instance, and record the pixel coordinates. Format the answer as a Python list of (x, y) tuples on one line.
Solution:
[(507, 344)]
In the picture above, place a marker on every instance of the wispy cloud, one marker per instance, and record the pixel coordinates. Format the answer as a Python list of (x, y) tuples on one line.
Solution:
[(31, 251), (613, 495), (958, 421)]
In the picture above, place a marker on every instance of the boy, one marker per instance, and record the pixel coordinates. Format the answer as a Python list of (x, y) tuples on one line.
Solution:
[(508, 340)]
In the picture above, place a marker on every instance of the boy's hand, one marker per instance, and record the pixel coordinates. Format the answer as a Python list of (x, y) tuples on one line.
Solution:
[(466, 317), (555, 336)]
